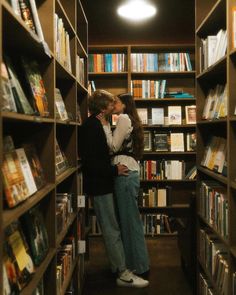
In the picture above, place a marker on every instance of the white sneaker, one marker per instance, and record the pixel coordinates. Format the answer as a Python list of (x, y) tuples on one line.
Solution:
[(128, 279)]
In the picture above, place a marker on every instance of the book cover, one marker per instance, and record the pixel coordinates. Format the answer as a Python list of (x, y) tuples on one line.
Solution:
[(174, 115), (61, 161), (17, 256), (35, 165), (36, 234), (177, 142), (161, 141), (61, 112), (35, 84)]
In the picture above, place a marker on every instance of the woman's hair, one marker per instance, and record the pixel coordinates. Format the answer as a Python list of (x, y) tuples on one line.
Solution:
[(99, 100), (131, 111)]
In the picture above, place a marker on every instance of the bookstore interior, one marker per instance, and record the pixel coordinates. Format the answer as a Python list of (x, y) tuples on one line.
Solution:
[(178, 61)]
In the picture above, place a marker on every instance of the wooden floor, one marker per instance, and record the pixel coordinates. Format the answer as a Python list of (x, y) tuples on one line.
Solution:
[(166, 276)]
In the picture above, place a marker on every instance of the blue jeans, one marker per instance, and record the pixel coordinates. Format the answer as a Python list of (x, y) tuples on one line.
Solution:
[(106, 217), (126, 193)]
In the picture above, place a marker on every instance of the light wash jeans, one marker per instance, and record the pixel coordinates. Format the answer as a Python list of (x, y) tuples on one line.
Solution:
[(126, 193), (106, 217)]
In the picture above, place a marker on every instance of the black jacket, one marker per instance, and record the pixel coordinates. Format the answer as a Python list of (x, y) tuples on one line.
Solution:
[(98, 173)]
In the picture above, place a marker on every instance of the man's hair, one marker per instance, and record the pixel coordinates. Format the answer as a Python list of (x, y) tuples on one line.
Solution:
[(99, 101)]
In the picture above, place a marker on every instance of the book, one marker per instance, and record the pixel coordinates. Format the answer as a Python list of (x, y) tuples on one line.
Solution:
[(8, 102), (160, 141), (61, 112), (177, 142), (15, 187), (36, 234), (22, 104), (190, 114), (157, 116), (191, 141), (174, 115), (35, 85), (143, 115), (25, 167), (147, 140), (17, 257), (35, 165), (26, 14), (61, 161)]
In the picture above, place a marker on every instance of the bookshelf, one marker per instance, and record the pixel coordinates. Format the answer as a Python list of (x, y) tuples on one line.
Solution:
[(219, 278), (106, 76), (68, 73)]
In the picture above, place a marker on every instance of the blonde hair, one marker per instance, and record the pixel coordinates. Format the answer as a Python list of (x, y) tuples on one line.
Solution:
[(99, 100)]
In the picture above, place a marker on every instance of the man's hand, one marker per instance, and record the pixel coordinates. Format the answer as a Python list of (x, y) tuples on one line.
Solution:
[(122, 170), (102, 119)]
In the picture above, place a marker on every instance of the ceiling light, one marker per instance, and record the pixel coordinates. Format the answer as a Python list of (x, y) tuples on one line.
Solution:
[(136, 10)]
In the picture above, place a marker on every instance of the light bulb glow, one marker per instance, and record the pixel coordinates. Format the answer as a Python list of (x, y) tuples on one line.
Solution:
[(136, 10)]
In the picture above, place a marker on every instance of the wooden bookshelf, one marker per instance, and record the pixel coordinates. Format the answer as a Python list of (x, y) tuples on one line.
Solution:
[(210, 18), (120, 82), (18, 40)]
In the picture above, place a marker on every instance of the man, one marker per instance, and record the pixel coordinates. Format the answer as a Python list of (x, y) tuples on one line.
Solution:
[(98, 175)]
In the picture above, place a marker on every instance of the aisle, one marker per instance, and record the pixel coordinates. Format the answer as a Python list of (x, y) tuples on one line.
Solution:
[(166, 276)]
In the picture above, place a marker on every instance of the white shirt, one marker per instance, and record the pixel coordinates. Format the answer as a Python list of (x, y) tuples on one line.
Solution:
[(114, 140)]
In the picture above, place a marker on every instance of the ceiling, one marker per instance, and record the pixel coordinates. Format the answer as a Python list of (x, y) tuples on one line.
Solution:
[(173, 23)]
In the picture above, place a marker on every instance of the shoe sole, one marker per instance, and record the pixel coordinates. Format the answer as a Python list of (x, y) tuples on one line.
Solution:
[(123, 284)]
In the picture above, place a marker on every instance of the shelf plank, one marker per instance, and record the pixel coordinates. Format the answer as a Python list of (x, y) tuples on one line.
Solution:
[(233, 184), (63, 73), (39, 272), (165, 73), (62, 234), (217, 68), (167, 180), (81, 88), (10, 215), (166, 99), (170, 126), (108, 74), (214, 175), (68, 172), (60, 11), (168, 153), (210, 122), (22, 117), (182, 210), (66, 122)]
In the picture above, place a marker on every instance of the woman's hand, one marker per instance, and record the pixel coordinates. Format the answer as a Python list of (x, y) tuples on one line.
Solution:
[(102, 119)]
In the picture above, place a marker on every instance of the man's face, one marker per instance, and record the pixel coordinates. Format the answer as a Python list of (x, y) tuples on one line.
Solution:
[(109, 110)]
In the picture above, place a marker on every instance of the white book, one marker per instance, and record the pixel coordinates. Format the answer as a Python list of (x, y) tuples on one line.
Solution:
[(175, 115), (143, 115), (177, 142), (161, 198), (211, 46), (234, 29), (158, 116), (25, 167)]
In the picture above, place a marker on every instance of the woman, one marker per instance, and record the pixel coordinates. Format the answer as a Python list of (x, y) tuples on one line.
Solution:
[(126, 145)]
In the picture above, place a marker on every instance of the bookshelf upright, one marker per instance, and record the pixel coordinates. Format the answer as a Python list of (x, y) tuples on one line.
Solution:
[(61, 60)]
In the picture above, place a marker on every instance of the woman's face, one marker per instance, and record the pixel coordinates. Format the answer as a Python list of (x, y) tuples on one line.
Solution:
[(118, 106)]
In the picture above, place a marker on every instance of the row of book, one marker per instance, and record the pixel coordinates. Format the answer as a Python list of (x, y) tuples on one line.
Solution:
[(108, 62), (62, 43), (212, 48), (213, 206), (156, 224), (213, 255), (169, 141), (153, 224), (66, 255), (158, 62), (215, 106), (214, 157), (155, 197), (24, 249), (64, 209), (27, 10), (166, 169), (172, 115), (22, 87), (148, 88)]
